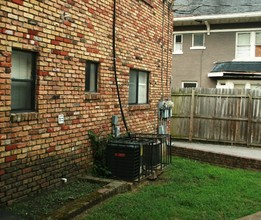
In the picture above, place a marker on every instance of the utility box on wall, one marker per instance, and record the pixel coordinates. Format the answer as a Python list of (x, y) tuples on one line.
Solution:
[(165, 109)]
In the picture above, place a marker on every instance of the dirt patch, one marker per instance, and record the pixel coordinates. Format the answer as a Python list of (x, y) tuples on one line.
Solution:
[(41, 205)]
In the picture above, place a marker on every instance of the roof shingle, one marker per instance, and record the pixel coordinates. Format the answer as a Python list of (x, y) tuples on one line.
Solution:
[(210, 7)]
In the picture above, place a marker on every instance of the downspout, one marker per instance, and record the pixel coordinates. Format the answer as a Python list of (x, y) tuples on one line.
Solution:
[(208, 27), (115, 66)]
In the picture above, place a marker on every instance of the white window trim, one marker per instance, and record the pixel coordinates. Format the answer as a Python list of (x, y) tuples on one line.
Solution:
[(182, 84), (252, 47), (175, 51), (178, 52), (198, 47)]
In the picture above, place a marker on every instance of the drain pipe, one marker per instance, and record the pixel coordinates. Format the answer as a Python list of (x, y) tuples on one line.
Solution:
[(115, 66), (208, 27)]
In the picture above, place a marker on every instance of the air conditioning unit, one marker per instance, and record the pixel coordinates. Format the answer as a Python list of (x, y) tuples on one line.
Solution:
[(124, 159), (139, 155)]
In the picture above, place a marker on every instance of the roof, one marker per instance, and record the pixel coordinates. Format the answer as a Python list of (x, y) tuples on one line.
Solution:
[(238, 69), (237, 66), (184, 8)]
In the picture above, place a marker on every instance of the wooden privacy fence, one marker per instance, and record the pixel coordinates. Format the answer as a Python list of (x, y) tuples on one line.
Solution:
[(219, 115)]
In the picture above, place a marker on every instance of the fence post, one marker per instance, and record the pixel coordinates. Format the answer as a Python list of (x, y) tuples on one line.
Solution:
[(191, 115), (249, 120)]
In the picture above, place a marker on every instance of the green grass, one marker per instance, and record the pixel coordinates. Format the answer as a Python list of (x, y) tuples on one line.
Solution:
[(188, 190), (36, 207)]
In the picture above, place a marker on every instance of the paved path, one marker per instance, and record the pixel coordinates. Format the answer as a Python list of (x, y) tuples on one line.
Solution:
[(256, 216), (238, 151)]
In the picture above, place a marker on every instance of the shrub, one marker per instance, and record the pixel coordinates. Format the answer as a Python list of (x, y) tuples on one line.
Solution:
[(99, 145)]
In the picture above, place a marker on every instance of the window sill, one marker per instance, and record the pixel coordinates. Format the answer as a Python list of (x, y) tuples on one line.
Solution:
[(139, 107), (198, 48), (23, 116), (92, 96), (178, 52)]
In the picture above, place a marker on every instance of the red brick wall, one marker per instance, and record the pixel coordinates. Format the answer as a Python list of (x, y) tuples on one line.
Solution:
[(35, 150)]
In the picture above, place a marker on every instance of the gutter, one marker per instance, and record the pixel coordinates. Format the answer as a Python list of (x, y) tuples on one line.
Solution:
[(238, 75), (221, 16), (217, 30)]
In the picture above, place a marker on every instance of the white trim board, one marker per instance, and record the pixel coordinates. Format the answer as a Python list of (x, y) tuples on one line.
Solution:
[(217, 31)]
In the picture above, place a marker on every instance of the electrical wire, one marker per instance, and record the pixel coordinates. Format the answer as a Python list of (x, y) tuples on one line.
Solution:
[(168, 43), (115, 66), (162, 49)]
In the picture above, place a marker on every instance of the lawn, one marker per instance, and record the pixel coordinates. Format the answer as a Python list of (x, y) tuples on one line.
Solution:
[(188, 190)]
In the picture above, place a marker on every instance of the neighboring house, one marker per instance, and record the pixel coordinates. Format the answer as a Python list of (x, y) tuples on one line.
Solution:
[(57, 82), (208, 33)]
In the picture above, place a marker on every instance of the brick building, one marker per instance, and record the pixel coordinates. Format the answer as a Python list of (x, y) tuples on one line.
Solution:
[(57, 82)]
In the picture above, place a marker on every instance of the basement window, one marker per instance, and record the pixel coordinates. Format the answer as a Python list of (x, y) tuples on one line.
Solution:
[(138, 87), (189, 84), (23, 74)]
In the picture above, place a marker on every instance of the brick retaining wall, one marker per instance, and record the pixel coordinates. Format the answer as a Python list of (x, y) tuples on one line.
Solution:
[(218, 159)]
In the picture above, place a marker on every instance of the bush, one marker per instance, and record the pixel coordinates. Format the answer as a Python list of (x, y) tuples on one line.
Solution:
[(99, 145)]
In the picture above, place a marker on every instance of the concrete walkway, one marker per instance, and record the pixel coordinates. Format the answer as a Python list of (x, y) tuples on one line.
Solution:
[(237, 151), (256, 216)]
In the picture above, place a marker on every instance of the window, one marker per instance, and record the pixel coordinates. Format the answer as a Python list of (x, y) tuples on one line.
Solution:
[(248, 45), (23, 74), (189, 84), (198, 41), (178, 44), (138, 87), (149, 2), (91, 80), (243, 45)]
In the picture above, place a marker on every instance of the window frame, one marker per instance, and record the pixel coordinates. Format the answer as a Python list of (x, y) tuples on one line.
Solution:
[(88, 75), (31, 81), (175, 50), (252, 46), (191, 82), (137, 71), (200, 47)]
